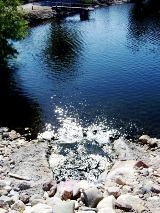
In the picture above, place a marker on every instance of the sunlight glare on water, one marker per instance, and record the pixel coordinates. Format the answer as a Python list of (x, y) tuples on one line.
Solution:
[(71, 131)]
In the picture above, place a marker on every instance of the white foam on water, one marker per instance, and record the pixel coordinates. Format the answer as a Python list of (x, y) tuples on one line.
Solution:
[(48, 133), (72, 131), (78, 152)]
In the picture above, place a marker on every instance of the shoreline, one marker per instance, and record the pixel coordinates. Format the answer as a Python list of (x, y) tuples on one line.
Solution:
[(37, 12), (131, 182)]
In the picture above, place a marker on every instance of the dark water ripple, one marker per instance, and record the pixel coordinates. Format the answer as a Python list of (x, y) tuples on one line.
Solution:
[(105, 69)]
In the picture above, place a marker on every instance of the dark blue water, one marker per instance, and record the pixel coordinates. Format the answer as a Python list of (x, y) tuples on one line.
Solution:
[(102, 70)]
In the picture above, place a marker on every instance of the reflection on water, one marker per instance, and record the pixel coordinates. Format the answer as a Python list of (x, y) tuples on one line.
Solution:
[(144, 27), (14, 106), (102, 70), (64, 47)]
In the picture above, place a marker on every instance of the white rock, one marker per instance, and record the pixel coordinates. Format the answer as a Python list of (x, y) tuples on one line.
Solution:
[(35, 196), (128, 201), (8, 188), (18, 206), (53, 201), (39, 208), (107, 202), (56, 160), (115, 191), (122, 149), (14, 195), (86, 211), (8, 181), (67, 207), (106, 210), (3, 210), (124, 169), (83, 184), (127, 189)]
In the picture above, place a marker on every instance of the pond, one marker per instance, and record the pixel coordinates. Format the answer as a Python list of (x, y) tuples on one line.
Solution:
[(101, 73)]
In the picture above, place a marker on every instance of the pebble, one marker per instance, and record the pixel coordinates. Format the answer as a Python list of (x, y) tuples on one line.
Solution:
[(115, 191), (24, 198)]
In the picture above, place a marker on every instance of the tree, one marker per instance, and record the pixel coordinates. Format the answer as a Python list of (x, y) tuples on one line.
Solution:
[(12, 27)]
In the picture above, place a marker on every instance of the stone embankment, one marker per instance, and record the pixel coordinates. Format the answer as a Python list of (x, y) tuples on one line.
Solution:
[(27, 184)]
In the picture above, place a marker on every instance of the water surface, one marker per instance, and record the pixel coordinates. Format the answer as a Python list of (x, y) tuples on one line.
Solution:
[(104, 70)]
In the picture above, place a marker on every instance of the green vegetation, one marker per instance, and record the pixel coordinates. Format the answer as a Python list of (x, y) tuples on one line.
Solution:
[(12, 27)]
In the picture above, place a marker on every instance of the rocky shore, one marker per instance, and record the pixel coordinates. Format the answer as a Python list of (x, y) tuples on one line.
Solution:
[(129, 183), (37, 12)]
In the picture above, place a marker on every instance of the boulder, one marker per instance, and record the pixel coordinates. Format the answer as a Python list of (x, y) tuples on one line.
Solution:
[(92, 197), (53, 201), (107, 202), (128, 201), (124, 169), (18, 206), (122, 149)]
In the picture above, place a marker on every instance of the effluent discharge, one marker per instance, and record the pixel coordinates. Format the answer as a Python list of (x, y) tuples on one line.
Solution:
[(77, 152)]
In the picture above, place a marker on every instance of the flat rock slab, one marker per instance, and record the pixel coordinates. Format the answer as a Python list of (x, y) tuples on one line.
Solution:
[(31, 162)]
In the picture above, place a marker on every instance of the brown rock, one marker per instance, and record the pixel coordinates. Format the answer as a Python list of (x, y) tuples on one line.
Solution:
[(52, 191), (67, 194), (24, 198), (115, 191), (141, 164), (120, 181), (49, 184)]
